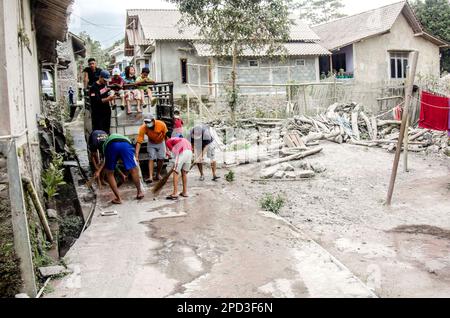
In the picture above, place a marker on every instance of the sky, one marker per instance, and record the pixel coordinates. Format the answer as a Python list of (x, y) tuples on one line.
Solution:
[(105, 21)]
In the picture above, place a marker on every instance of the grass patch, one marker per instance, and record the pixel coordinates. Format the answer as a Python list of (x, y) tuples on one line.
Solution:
[(230, 176), (272, 204)]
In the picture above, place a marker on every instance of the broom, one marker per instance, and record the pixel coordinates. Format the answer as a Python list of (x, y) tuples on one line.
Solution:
[(161, 183)]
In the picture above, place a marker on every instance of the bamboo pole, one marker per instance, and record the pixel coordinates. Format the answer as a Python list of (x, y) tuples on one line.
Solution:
[(408, 97), (40, 210)]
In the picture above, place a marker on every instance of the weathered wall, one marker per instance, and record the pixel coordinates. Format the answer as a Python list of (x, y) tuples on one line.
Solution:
[(372, 63), (270, 71), (170, 67), (23, 84), (68, 77), (5, 127)]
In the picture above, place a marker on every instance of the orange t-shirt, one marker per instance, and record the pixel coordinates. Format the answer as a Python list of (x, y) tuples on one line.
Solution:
[(155, 136)]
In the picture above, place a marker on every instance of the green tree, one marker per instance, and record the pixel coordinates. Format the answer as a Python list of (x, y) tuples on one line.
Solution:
[(320, 11), (232, 26), (435, 17), (94, 49)]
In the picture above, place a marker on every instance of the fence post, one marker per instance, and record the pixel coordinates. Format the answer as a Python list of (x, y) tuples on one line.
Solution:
[(188, 108), (335, 89), (404, 127), (19, 219)]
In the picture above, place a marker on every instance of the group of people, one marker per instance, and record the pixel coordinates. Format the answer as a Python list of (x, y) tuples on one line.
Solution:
[(104, 88), (107, 150)]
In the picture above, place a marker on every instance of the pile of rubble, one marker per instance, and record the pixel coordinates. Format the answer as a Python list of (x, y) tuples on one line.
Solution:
[(343, 123), (293, 139), (297, 170)]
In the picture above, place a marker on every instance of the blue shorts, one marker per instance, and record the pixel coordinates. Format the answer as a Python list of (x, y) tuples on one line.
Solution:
[(120, 150)]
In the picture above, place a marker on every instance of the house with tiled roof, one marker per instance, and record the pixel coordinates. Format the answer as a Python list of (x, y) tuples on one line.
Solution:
[(154, 38), (374, 46)]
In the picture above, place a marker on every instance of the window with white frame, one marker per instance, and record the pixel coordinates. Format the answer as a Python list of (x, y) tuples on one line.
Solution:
[(398, 64), (253, 63), (300, 62)]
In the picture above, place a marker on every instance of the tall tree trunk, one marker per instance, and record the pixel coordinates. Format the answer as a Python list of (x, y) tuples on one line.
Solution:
[(233, 98)]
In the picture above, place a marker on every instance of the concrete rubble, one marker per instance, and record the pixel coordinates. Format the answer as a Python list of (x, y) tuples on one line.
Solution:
[(53, 271), (342, 123)]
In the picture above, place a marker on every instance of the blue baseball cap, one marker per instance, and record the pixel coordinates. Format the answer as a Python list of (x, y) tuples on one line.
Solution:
[(105, 75)]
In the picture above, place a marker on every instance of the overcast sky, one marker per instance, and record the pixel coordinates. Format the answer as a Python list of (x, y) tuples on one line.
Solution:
[(109, 15)]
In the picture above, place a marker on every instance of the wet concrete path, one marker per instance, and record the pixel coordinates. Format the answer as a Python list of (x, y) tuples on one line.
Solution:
[(217, 243)]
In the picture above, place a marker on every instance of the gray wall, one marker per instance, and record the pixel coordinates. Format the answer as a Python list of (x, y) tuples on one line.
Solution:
[(270, 71), (372, 63), (69, 76), (170, 67)]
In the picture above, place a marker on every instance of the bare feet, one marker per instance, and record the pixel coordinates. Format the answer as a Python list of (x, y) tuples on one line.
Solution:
[(116, 201)]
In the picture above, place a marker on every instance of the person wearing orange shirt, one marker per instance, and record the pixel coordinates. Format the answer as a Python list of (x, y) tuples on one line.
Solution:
[(156, 132)]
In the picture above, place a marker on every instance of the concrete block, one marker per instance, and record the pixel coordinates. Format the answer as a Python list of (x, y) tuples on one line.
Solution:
[(286, 167), (53, 271), (279, 175), (52, 214), (3, 178), (290, 175), (2, 163), (306, 174), (269, 172)]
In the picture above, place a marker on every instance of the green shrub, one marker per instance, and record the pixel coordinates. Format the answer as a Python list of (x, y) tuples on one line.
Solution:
[(53, 177), (230, 176), (271, 204)]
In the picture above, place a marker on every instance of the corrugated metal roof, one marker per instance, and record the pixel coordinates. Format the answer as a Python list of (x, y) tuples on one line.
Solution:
[(163, 25), (351, 29), (293, 49)]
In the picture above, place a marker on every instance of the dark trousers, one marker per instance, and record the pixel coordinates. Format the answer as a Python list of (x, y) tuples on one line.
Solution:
[(102, 121)]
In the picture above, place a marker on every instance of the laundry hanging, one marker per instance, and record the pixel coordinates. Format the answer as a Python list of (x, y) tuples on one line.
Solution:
[(434, 112), (449, 118)]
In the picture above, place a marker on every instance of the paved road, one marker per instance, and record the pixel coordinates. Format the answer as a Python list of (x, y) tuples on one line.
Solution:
[(215, 244)]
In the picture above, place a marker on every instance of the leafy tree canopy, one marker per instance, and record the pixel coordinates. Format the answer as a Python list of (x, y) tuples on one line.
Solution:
[(247, 24), (435, 17), (320, 11)]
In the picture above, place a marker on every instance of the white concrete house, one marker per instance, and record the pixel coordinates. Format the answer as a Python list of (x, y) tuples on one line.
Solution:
[(374, 46), (118, 58), (153, 39)]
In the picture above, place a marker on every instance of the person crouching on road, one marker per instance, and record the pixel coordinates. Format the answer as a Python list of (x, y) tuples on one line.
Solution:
[(203, 143), (156, 132), (181, 150), (114, 147)]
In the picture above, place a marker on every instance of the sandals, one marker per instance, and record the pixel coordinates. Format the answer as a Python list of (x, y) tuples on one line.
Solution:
[(172, 198), (184, 196), (149, 181), (140, 197), (215, 178)]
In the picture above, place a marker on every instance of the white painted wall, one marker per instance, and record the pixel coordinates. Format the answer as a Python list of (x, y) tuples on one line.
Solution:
[(372, 63), (23, 84)]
